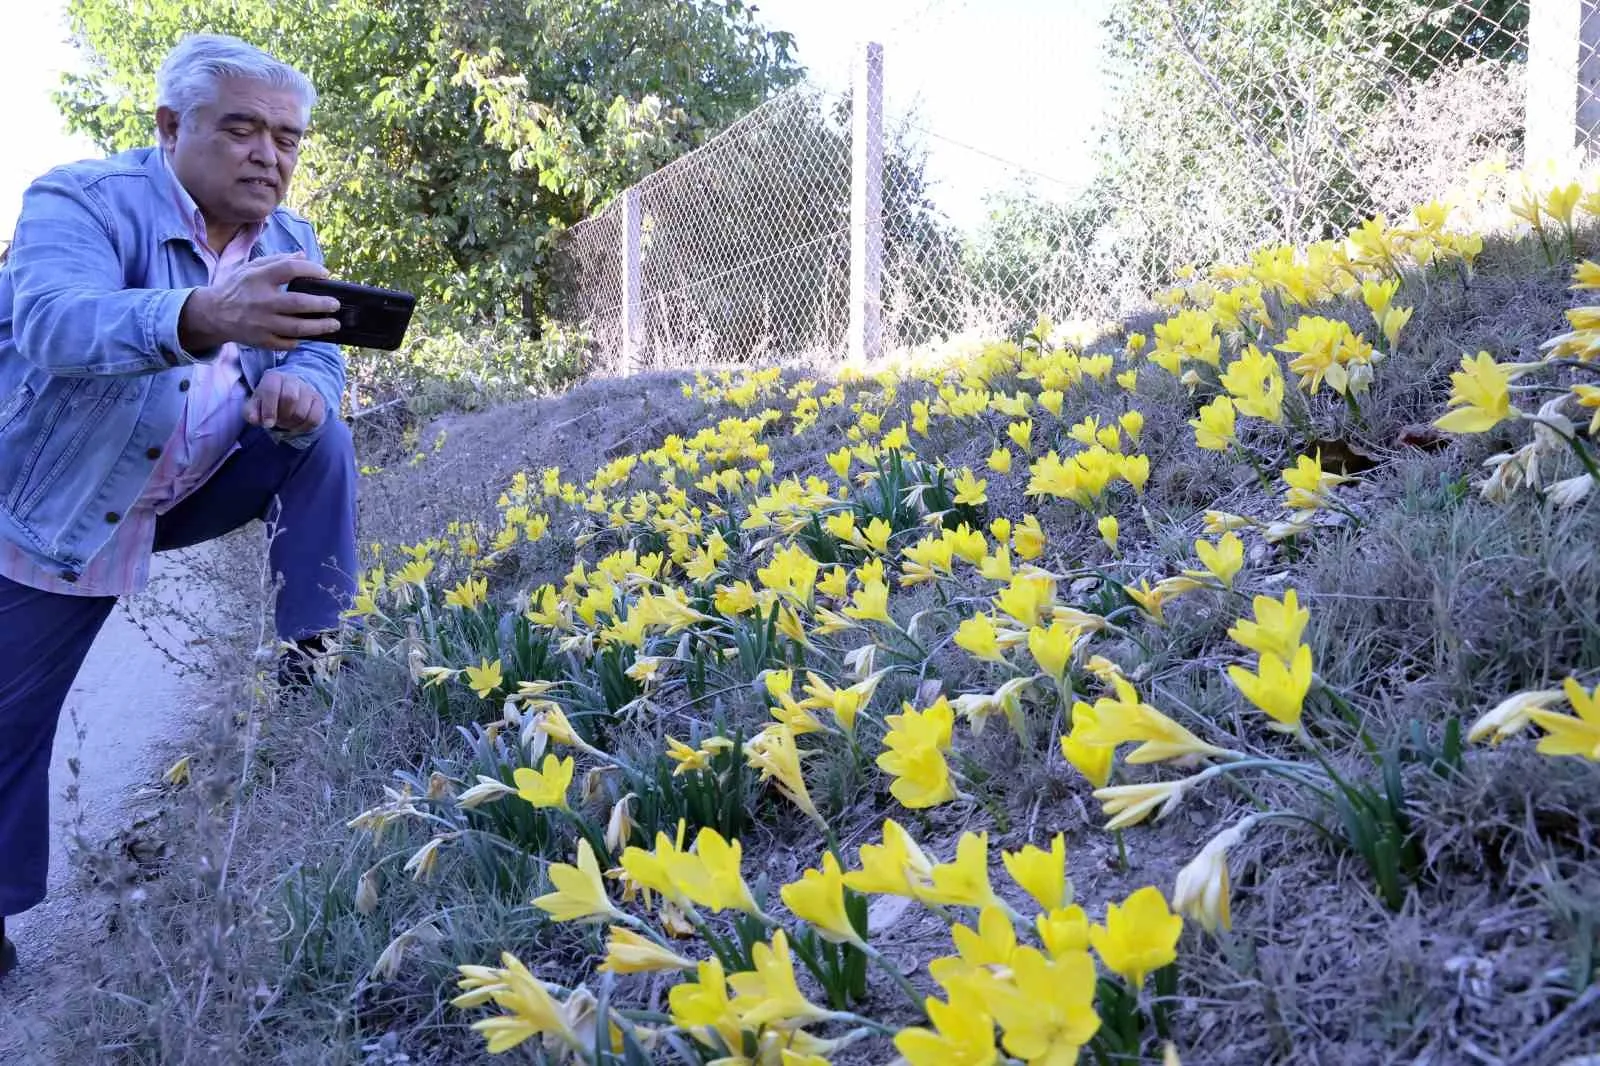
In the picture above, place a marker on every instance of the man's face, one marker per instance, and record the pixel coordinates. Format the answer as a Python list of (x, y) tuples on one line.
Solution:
[(236, 154)]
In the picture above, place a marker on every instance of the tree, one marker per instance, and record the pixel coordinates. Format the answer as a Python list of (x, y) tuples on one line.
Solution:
[(454, 140)]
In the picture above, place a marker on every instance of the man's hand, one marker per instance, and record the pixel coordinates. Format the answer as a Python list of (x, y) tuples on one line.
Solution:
[(283, 401), (249, 306)]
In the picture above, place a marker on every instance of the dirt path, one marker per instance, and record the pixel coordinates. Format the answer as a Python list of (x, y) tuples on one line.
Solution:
[(133, 706)]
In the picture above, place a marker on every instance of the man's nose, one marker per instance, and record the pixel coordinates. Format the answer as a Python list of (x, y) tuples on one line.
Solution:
[(264, 152)]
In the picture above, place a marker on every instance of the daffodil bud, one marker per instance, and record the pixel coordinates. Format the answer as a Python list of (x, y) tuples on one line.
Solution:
[(367, 890)]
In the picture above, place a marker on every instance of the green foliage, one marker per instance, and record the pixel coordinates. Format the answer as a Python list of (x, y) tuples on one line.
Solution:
[(470, 368), (453, 141), (1236, 123), (722, 796)]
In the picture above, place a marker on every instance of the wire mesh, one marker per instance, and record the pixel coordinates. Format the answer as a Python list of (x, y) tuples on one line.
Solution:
[(1221, 125)]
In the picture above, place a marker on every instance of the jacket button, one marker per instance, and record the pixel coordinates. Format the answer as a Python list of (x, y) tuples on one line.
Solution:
[(113, 517), (152, 453), (183, 386)]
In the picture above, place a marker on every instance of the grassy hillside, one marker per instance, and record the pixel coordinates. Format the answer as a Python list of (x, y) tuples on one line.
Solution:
[(1013, 699)]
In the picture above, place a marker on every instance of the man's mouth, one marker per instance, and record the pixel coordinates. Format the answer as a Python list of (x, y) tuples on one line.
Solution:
[(263, 182)]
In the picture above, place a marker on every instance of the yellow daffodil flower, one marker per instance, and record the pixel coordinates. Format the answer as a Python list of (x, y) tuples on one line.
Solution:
[(1278, 689), (980, 638), (629, 952), (896, 867), (1255, 383), (1131, 804), (818, 899), (1309, 485), (547, 786), (469, 594), (1046, 1009), (1041, 874), (877, 534), (1481, 391), (1109, 528), (1277, 626), (1139, 937), (916, 743), (1222, 560), (970, 489), (1214, 429), (1063, 931), (870, 604), (1128, 719), (1027, 537), (702, 1007), (1021, 434), (770, 994), (1092, 760), (964, 880), (962, 1035), (1202, 891), (1571, 734), (485, 678), (1027, 597), (716, 882), (1052, 648), (774, 753), (580, 894), (530, 1008)]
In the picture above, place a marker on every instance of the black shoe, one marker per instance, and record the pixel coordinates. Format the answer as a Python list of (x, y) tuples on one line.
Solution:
[(8, 957), (297, 666)]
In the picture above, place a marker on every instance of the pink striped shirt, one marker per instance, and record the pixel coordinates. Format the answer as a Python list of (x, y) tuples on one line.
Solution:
[(206, 434)]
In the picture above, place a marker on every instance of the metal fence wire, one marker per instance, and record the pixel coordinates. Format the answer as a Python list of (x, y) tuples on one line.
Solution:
[(1224, 125)]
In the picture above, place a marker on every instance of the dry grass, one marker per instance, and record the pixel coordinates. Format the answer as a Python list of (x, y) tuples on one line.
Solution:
[(249, 946)]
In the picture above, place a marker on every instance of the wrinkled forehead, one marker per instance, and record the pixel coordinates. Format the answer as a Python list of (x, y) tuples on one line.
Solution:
[(262, 103)]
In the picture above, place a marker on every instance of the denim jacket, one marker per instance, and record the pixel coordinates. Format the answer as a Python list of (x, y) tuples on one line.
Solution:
[(92, 377)]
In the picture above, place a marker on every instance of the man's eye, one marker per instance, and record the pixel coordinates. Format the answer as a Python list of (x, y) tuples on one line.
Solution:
[(239, 131), (287, 144)]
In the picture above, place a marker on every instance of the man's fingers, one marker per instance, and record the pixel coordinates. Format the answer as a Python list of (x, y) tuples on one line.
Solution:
[(282, 269), (303, 303), (268, 397), (290, 327), (294, 406)]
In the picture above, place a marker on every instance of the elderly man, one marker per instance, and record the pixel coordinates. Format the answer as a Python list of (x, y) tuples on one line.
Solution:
[(159, 388)]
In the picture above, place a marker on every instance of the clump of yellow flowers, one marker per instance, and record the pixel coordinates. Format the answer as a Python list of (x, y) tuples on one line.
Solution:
[(864, 625)]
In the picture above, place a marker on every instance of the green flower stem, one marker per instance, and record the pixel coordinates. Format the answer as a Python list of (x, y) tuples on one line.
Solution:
[(893, 973), (1343, 706), (877, 1028), (1571, 364), (1327, 767), (1284, 768), (1255, 464), (1294, 816)]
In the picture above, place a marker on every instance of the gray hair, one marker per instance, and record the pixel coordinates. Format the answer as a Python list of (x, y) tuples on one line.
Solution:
[(188, 76)]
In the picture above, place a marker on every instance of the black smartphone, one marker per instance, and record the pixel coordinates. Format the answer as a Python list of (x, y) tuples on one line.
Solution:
[(369, 317)]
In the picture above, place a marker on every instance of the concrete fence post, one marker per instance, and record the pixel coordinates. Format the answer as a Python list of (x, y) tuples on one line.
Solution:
[(1563, 111), (633, 335), (866, 206)]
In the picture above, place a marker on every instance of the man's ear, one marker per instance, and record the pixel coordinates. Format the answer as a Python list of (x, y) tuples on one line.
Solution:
[(167, 123)]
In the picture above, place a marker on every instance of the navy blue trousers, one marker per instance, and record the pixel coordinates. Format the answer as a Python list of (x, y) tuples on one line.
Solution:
[(309, 495)]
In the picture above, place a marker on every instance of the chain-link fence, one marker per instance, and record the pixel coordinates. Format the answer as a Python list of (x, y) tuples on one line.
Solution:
[(1218, 125)]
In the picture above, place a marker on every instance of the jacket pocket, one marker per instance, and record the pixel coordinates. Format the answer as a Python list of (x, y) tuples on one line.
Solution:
[(14, 407), (76, 416)]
